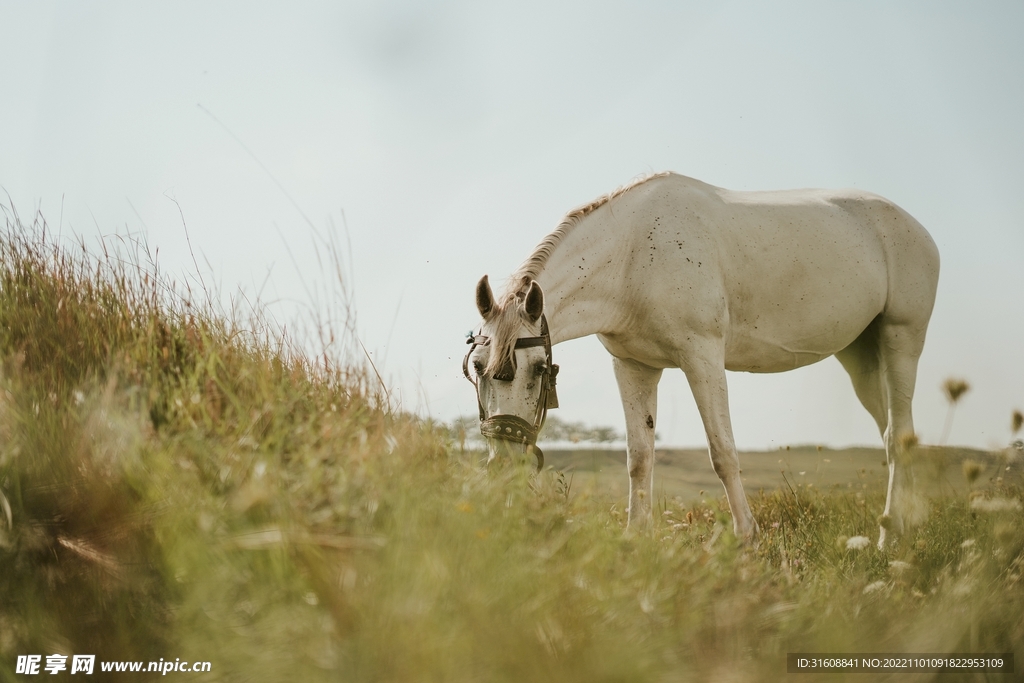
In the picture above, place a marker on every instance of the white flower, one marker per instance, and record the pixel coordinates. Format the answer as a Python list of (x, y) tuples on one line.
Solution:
[(968, 543), (900, 566), (872, 587), (857, 542), (995, 505)]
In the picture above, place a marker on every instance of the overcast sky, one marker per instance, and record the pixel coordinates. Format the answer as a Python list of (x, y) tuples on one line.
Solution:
[(450, 137)]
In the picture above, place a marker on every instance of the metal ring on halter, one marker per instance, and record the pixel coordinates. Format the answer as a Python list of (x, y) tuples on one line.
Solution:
[(512, 427)]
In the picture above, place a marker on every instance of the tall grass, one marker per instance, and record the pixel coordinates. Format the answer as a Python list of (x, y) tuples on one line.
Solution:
[(186, 485)]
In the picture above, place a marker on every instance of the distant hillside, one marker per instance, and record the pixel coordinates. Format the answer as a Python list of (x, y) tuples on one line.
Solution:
[(684, 473)]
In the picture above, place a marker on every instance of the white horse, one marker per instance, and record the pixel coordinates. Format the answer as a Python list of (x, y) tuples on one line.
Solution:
[(670, 272)]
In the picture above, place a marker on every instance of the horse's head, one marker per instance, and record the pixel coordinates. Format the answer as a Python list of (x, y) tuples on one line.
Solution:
[(509, 361)]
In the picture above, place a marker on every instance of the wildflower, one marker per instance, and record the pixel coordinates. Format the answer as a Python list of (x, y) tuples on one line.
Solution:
[(899, 566), (872, 587), (857, 543), (995, 505)]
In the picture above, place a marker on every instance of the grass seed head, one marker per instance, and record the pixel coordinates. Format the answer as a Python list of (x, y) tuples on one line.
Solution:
[(972, 470), (955, 388), (908, 441)]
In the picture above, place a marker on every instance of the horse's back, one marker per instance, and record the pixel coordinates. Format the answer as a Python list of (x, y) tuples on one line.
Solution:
[(787, 277)]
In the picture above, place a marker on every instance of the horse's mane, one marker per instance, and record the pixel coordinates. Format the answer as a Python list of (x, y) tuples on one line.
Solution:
[(520, 280), (510, 303)]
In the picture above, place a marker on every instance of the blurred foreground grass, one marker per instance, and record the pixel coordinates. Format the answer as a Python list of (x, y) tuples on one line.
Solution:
[(179, 484)]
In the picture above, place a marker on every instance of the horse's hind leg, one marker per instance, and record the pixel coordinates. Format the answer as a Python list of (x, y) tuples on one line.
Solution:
[(900, 347), (638, 387), (882, 363), (862, 361)]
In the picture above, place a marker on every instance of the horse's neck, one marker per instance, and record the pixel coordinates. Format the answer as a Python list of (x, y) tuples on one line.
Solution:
[(581, 281)]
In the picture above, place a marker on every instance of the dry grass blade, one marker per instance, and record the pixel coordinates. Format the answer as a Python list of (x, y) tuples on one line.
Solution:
[(8, 514), (273, 537)]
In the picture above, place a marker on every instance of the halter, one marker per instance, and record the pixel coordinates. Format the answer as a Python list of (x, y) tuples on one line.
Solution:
[(512, 427)]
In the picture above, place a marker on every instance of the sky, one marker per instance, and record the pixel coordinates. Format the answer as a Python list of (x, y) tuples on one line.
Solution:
[(433, 142)]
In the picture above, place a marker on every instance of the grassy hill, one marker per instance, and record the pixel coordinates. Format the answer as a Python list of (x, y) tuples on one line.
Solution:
[(180, 485)]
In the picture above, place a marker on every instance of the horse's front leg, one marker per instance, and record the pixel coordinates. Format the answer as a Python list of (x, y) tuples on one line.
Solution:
[(705, 372), (638, 386)]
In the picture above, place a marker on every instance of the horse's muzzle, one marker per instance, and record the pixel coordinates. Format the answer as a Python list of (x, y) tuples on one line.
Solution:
[(516, 430), (508, 428)]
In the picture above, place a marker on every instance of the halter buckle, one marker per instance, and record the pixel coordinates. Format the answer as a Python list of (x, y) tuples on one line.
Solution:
[(551, 402)]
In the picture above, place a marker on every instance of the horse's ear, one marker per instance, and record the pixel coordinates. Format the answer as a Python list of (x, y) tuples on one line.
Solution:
[(484, 298), (534, 302)]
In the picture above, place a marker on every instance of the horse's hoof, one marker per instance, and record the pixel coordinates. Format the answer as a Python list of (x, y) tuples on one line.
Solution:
[(750, 538)]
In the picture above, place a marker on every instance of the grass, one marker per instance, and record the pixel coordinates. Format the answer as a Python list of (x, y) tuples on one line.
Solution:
[(183, 484)]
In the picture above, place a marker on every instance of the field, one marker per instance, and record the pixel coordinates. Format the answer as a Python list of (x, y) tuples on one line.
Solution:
[(686, 474), (181, 484)]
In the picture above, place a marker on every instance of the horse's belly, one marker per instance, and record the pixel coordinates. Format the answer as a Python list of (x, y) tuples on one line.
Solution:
[(761, 357), (800, 291), (769, 344)]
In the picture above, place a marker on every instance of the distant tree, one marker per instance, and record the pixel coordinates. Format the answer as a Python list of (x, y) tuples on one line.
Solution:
[(467, 429), (556, 429)]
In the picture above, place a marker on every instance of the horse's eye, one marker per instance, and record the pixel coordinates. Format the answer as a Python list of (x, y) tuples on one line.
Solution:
[(479, 367), (540, 368)]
